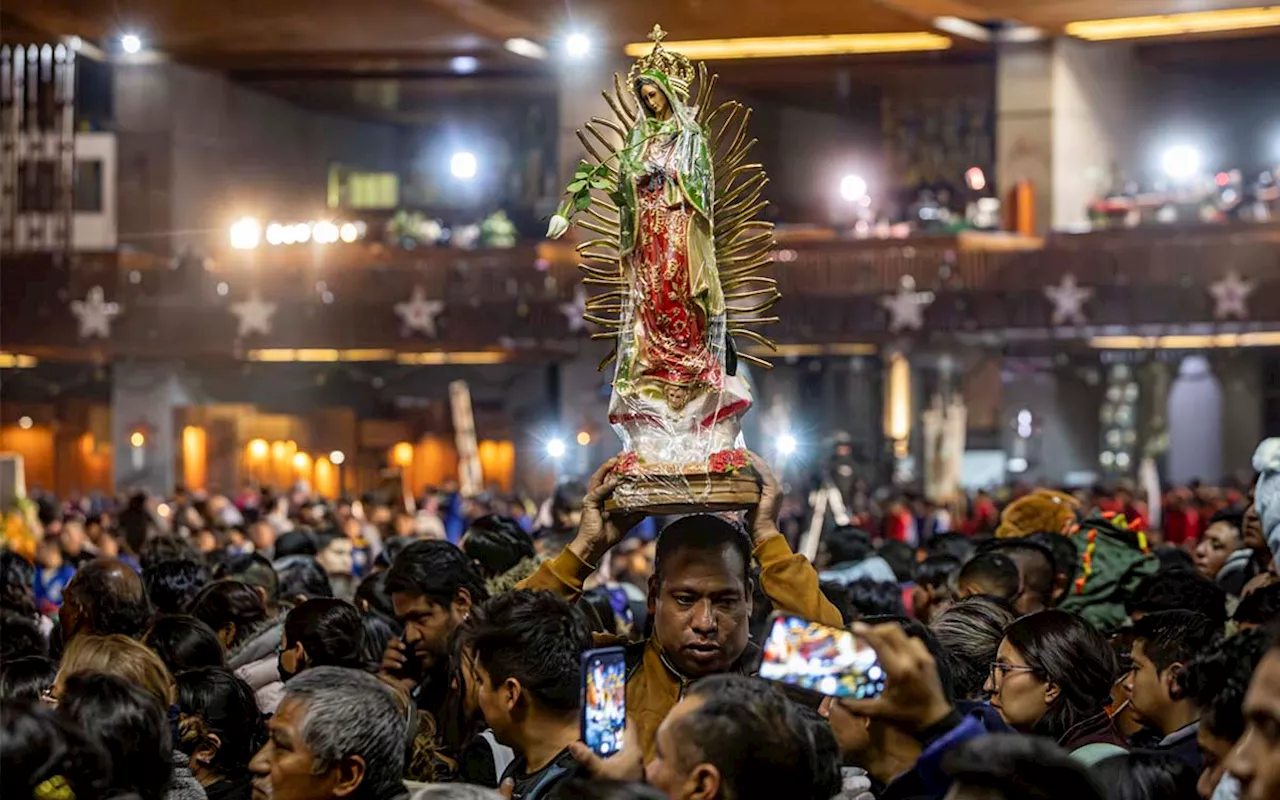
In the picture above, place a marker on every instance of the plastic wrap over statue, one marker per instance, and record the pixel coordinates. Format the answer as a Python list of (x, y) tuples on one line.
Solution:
[(678, 393)]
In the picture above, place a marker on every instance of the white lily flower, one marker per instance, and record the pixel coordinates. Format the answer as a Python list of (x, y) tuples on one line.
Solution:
[(557, 226)]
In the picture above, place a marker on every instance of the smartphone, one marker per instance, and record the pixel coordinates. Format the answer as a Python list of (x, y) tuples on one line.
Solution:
[(821, 659), (604, 700)]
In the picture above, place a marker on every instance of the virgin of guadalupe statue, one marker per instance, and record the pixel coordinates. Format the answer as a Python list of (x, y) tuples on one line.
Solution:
[(678, 252)]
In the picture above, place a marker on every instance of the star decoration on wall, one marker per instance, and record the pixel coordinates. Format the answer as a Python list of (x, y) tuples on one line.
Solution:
[(254, 315), (906, 309), (1231, 297), (574, 309), (419, 313), (1068, 299), (95, 314)]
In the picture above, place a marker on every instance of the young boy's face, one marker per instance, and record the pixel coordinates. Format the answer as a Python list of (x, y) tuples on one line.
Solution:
[(49, 555)]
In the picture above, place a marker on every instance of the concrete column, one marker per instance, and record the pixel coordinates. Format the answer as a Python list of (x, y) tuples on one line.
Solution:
[(1067, 111), (1241, 376), (144, 397)]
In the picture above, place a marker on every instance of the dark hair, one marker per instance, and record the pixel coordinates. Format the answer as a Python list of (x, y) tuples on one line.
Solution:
[(129, 724), (1218, 680), (213, 701), (229, 603), (1168, 591), (1147, 776), (295, 543), (373, 591), (437, 570), (26, 678), (302, 576), (159, 549), (496, 544), (568, 497), (918, 630), (1173, 559), (184, 642), (536, 638), (701, 532), (20, 637), (757, 739), (330, 630), (392, 546), (37, 744), (1232, 516), (970, 631), (379, 630), (172, 584), (109, 597), (1170, 637), (598, 605), (255, 570), (326, 537), (1066, 650), (1037, 567), (869, 598), (17, 583), (901, 558), (1065, 555), (1017, 767), (846, 543), (1261, 607), (995, 573), (951, 544), (937, 570)]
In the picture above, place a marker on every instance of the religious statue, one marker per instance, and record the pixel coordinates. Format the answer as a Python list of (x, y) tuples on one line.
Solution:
[(679, 253)]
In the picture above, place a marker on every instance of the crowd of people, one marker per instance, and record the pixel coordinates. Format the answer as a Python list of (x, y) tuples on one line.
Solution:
[(290, 649)]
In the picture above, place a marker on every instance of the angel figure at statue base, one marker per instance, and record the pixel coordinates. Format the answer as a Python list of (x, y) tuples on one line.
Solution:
[(681, 249)]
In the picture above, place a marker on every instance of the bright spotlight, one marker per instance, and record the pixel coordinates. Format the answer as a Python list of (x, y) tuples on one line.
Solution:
[(786, 445), (302, 232), (246, 233), (324, 232), (131, 43), (853, 188), (463, 165), (584, 438), (137, 439), (525, 48), (25, 423), (275, 233), (349, 232), (337, 457), (464, 65), (975, 178), (577, 46), (555, 448), (1181, 161), (288, 234)]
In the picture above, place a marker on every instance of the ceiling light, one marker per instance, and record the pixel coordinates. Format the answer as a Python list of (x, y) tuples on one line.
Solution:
[(963, 28), (324, 232), (131, 43), (556, 448), (302, 232), (1180, 162), (246, 233), (786, 445), (463, 165), (464, 65), (577, 46), (348, 232), (853, 188), (525, 48), (1232, 19), (794, 46), (275, 233)]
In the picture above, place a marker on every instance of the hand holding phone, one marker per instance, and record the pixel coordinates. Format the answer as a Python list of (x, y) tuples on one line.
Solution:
[(821, 659), (604, 700)]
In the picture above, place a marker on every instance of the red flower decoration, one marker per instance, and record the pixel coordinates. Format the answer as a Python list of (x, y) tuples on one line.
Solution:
[(627, 463), (727, 461)]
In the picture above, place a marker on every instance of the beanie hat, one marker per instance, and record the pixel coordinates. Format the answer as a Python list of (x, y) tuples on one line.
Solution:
[(1042, 510), (1266, 497)]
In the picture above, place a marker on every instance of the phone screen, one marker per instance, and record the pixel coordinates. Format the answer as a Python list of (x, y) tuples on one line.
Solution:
[(829, 661), (604, 700)]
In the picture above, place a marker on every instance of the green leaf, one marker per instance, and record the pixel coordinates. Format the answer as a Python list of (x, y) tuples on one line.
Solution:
[(618, 197), (576, 186), (600, 183), (582, 202), (584, 169)]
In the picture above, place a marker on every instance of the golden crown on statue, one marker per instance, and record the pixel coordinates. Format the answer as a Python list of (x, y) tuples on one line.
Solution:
[(677, 68)]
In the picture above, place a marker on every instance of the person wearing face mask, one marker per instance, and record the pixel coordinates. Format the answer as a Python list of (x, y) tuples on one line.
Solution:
[(1052, 677), (324, 632)]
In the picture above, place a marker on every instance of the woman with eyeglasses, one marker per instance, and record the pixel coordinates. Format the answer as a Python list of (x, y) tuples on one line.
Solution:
[(1052, 677)]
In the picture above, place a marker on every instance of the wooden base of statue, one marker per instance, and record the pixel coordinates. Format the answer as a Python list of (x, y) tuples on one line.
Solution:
[(688, 493)]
